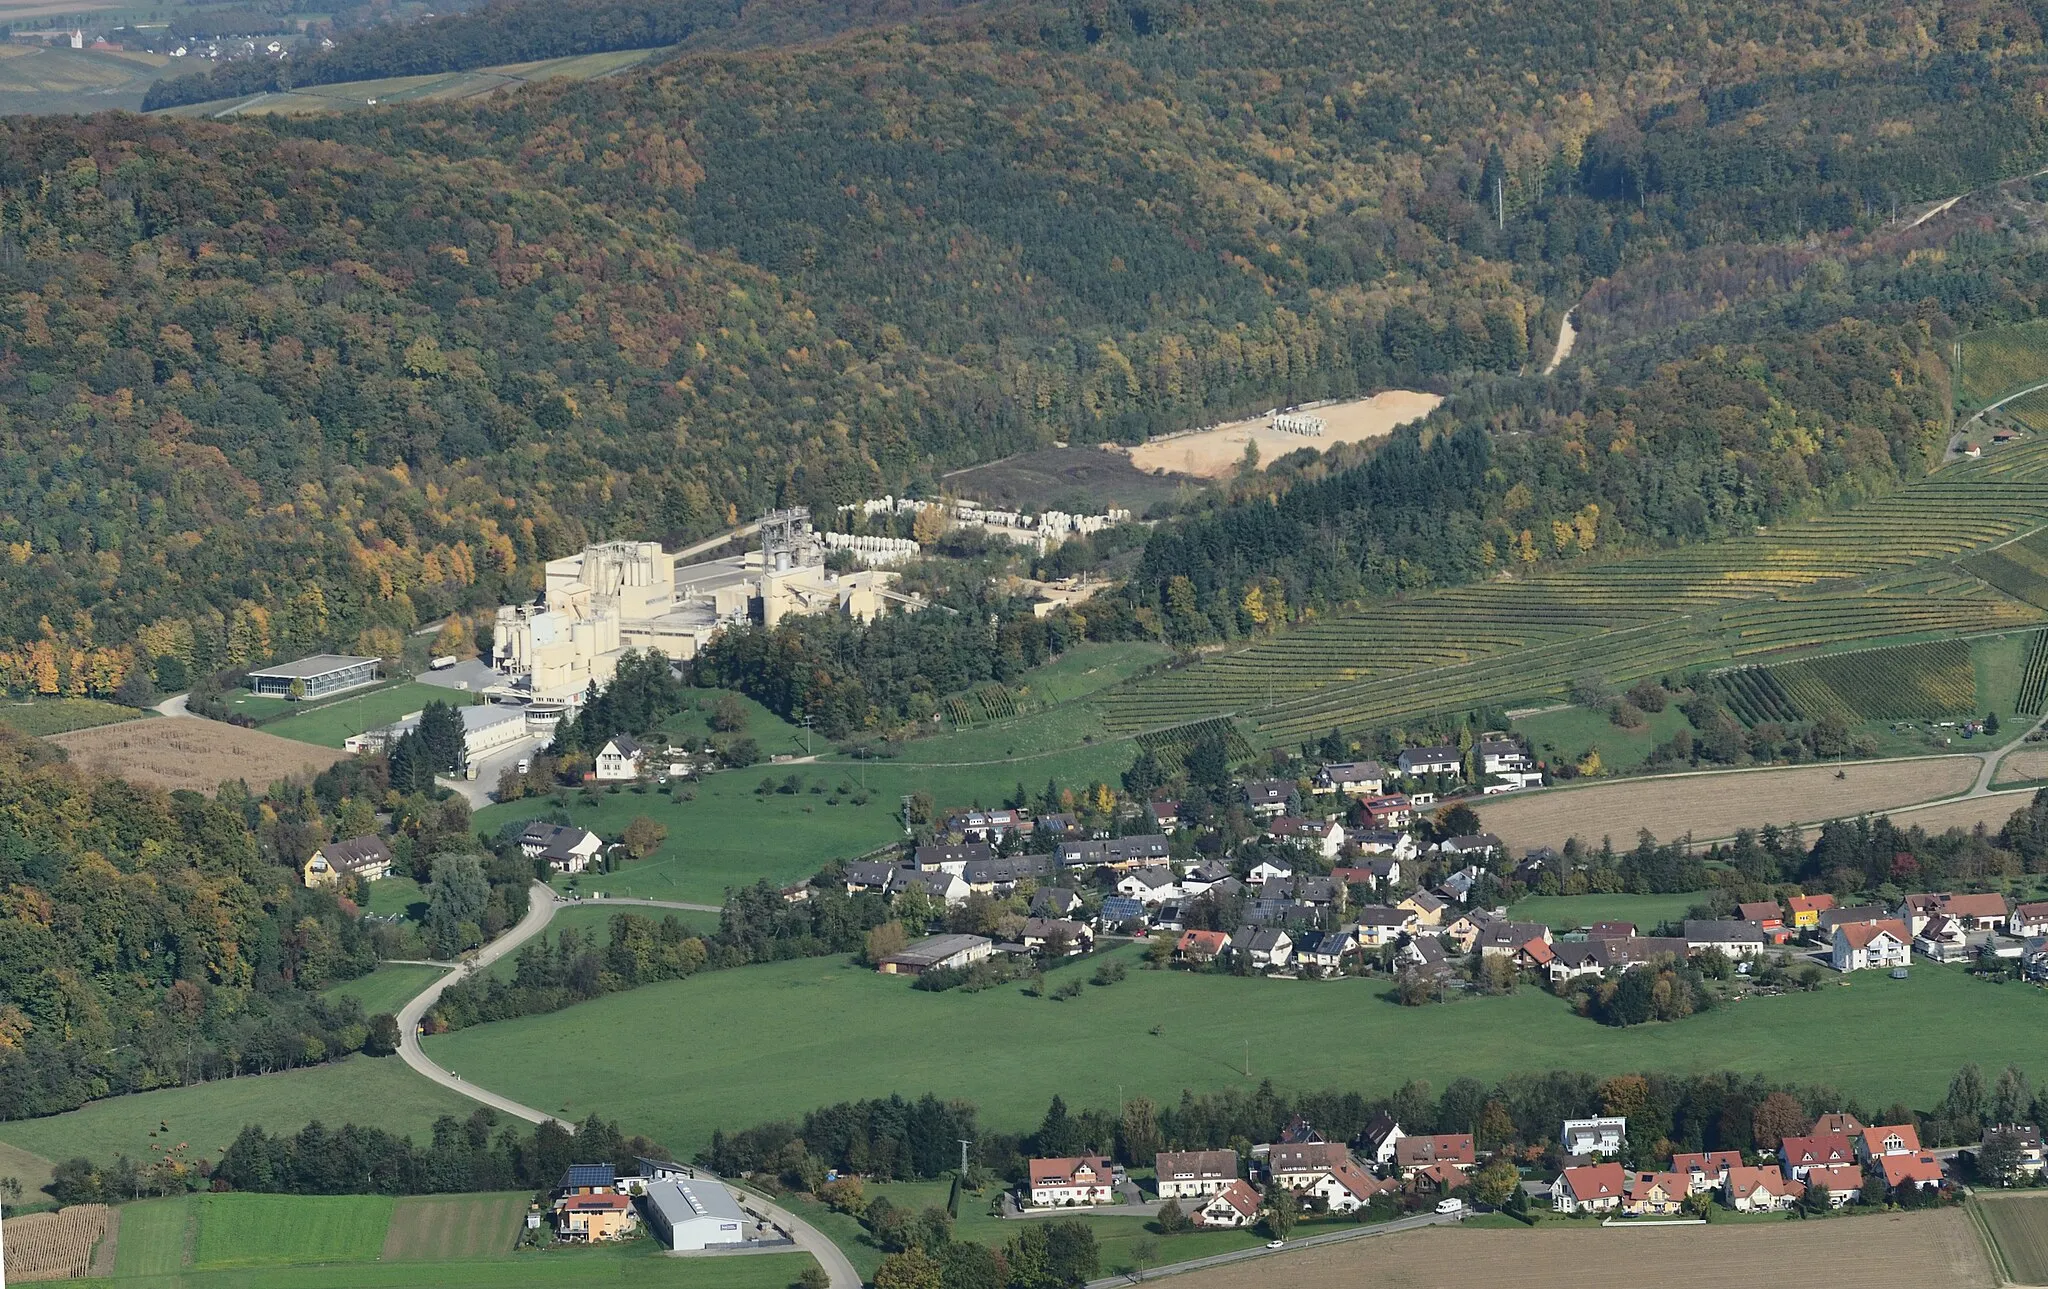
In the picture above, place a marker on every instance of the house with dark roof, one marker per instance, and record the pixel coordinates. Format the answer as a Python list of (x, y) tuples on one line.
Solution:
[(952, 858), (1737, 939), (1268, 797), (1418, 761), (567, 849), (619, 760), (1264, 946), (1194, 1174), (362, 858), (1352, 778), (1115, 852)]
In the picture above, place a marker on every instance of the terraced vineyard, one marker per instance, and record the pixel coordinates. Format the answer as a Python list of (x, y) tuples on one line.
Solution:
[(2033, 695), (1892, 569), (1909, 682), (2020, 568), (1998, 360), (1171, 746)]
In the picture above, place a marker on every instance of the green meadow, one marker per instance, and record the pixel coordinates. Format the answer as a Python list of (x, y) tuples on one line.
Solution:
[(387, 988), (795, 1035)]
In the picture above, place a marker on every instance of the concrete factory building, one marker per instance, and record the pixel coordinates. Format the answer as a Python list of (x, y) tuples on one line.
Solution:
[(634, 595)]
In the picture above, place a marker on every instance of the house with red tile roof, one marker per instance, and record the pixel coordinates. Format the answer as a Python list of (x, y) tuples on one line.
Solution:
[(1706, 1171), (1412, 1154), (1843, 1183), (1236, 1205), (1824, 1150), (1838, 1121), (1919, 1168), (1595, 1188), (1200, 946), (1297, 1165), (1863, 946), (1889, 1139), (1762, 1190), (1346, 1187), (1062, 1183), (2028, 920), (1983, 912), (1766, 914), (1654, 1194)]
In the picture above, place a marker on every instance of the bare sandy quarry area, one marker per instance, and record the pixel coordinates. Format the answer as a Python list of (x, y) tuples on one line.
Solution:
[(1214, 453)]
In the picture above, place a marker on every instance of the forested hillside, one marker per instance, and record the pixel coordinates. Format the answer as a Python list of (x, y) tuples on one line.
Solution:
[(265, 386)]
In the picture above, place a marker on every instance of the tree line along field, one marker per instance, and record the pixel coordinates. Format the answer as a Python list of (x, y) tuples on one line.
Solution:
[(839, 1032), (1885, 571), (242, 1241)]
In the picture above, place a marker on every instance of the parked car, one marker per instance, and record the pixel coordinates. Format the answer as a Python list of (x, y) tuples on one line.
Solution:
[(1275, 1244)]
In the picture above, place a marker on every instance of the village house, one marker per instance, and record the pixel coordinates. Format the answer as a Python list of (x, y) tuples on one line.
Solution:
[(567, 849), (1860, 946), (365, 859), (1345, 1187), (1427, 908), (1767, 915), (1134, 851), (1594, 1188), (1654, 1194), (1943, 939), (1861, 914), (1840, 1121), (1889, 1139), (1268, 870), (1150, 886), (2028, 920), (1413, 1154), (1296, 1166), (1479, 845), (1054, 902), (1426, 956), (1800, 1155), (1265, 798), (1571, 959), (1458, 886), (594, 1218), (1069, 1183), (1986, 912), (1383, 846), (1919, 1169), (1379, 1139), (2028, 1139), (1498, 939), (2034, 959), (1120, 911), (1463, 931), (1194, 1174), (988, 825), (1352, 778), (1617, 931), (950, 857), (1737, 939), (1600, 1135), (1415, 762), (1505, 759), (1263, 947), (1762, 1190), (1705, 1171), (1379, 925), (619, 760), (1842, 1182), (999, 877), (1166, 814), (1327, 951), (1323, 837), (1391, 811), (1233, 1207), (1806, 910), (1060, 937), (1201, 946)]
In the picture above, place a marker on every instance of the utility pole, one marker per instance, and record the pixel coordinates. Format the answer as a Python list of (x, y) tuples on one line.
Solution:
[(1500, 210), (1247, 1058)]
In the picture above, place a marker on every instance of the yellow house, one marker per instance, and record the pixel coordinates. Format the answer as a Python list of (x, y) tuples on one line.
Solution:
[(1806, 910), (594, 1217), (367, 858), (1427, 908)]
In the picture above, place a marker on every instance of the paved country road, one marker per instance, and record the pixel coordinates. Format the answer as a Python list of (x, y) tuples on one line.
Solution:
[(542, 905)]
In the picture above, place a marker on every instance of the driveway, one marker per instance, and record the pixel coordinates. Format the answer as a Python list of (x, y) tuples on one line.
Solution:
[(477, 792)]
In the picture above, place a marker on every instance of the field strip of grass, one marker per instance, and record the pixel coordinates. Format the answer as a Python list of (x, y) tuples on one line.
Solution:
[(238, 1230), (803, 1034), (386, 989)]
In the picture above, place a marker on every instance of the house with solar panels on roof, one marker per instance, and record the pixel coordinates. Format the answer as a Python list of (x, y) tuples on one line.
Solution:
[(588, 1205)]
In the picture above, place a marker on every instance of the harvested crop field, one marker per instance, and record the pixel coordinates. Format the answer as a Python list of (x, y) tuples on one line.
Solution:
[(2018, 1224), (1992, 811), (1937, 1248), (55, 1246), (1714, 805), (1214, 453), (2028, 765), (454, 1226), (198, 754)]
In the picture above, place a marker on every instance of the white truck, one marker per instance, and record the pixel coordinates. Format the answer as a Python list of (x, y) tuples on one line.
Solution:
[(443, 663)]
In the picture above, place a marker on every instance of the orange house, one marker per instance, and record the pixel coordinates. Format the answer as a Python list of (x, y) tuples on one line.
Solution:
[(594, 1217)]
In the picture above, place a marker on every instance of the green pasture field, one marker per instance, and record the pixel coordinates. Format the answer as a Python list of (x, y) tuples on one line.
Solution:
[(43, 716), (387, 988), (330, 724), (396, 895), (595, 920), (1565, 912), (239, 1241), (377, 1091), (265, 1230), (53, 79), (1085, 669), (1889, 571), (1117, 1238), (1568, 732), (730, 836), (775, 736), (444, 1227), (2018, 1227), (356, 96), (803, 1034)]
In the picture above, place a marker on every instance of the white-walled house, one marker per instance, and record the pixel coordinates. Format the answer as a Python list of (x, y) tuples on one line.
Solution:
[(1861, 946), (619, 760)]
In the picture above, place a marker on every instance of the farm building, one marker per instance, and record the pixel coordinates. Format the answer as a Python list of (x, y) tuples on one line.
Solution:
[(314, 677), (937, 952), (691, 1215)]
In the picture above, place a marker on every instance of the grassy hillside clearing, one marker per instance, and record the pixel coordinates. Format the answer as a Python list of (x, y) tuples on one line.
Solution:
[(803, 1034), (356, 96)]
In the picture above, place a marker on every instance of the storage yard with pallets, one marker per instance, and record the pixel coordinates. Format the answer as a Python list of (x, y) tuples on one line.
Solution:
[(1892, 570)]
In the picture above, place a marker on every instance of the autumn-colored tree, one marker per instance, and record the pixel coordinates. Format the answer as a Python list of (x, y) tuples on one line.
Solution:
[(644, 836), (911, 1269), (1778, 1116), (1625, 1094), (885, 941)]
